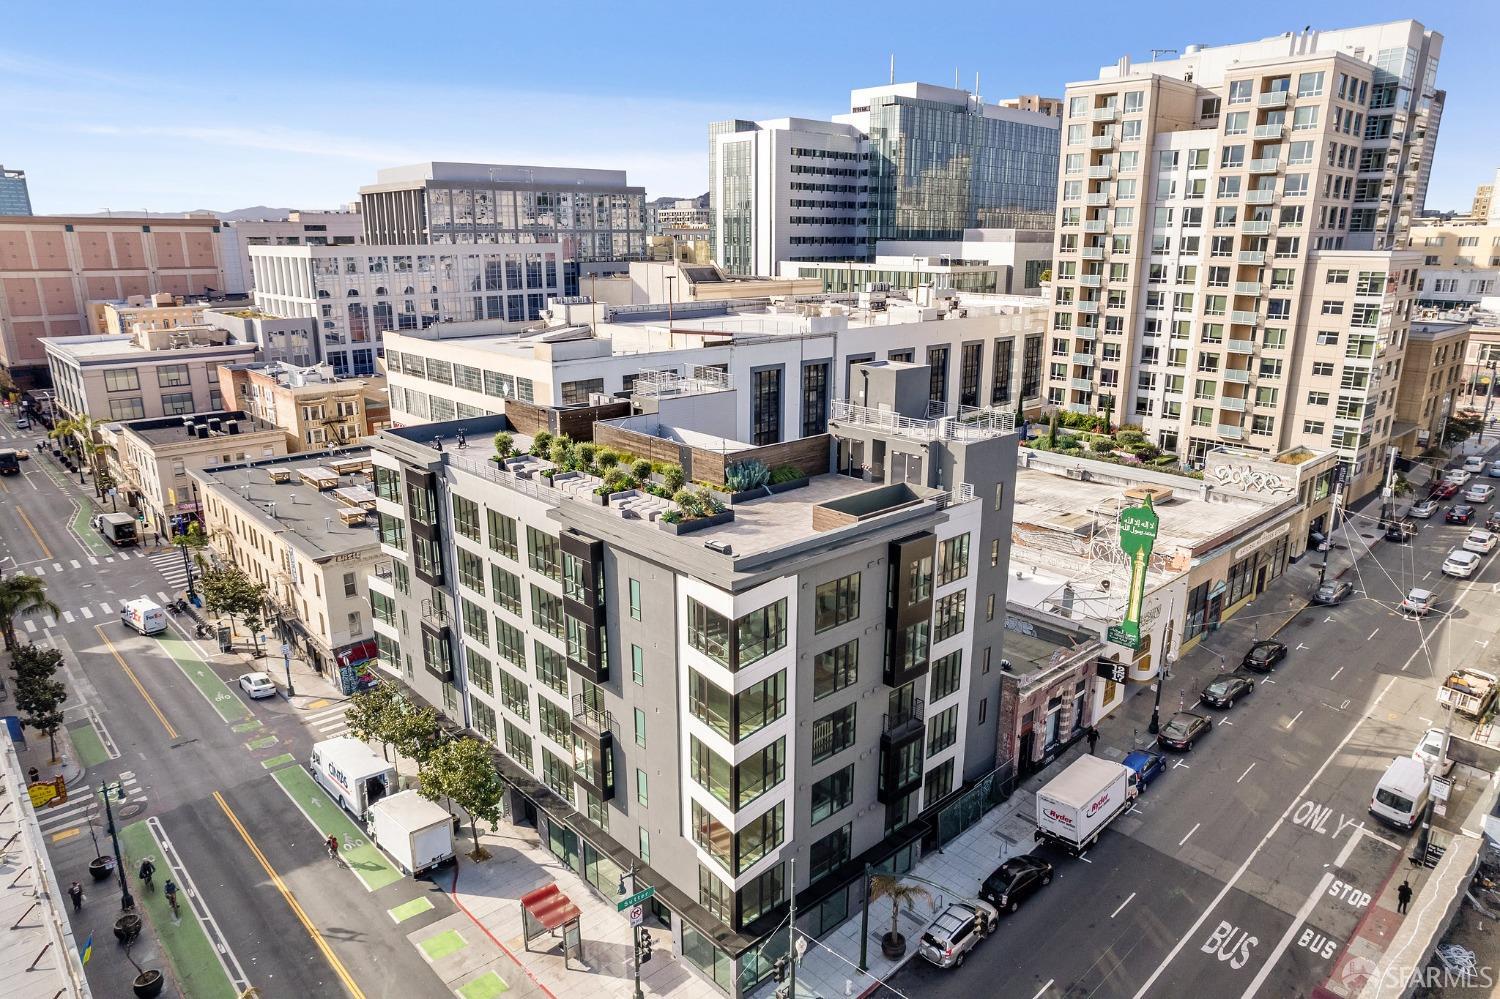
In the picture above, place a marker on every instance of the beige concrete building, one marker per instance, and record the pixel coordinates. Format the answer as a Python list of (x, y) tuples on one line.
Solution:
[(52, 266), (315, 408), (1481, 355), (1460, 261), (152, 459), (146, 374), (304, 526), (160, 311), (1035, 102), (1226, 267), (1432, 382)]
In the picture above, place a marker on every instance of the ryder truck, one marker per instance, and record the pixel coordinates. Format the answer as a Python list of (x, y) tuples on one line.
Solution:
[(1076, 805)]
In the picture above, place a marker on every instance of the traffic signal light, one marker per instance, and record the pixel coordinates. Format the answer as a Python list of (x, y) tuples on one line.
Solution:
[(643, 946), (779, 969)]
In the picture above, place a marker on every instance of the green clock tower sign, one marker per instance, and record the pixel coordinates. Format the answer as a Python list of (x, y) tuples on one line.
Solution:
[(1138, 526)]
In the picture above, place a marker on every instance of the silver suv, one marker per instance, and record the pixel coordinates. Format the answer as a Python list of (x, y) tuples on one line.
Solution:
[(955, 932)]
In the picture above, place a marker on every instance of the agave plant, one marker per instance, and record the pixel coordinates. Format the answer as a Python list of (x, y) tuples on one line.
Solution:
[(745, 475)]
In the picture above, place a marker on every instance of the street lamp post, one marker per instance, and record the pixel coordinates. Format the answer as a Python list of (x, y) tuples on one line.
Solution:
[(635, 940), (127, 901), (1167, 658), (187, 566)]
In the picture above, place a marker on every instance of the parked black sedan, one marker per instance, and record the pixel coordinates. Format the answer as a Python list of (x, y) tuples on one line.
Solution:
[(1223, 691), (1183, 729), (1333, 592), (1459, 513), (1010, 883), (1264, 655)]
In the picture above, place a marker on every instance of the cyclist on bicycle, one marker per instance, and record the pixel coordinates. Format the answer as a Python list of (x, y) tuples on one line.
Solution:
[(147, 872), (332, 842), (170, 890)]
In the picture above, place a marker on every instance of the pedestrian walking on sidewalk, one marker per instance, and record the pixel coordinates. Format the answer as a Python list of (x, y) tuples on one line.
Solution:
[(75, 892), (1093, 739), (1403, 897)]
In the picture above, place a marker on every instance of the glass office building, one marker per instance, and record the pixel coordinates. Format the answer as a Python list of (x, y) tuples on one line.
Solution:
[(15, 199)]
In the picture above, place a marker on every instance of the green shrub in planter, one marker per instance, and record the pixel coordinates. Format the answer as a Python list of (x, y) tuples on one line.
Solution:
[(1102, 446), (541, 442), (505, 445), (641, 469), (606, 458), (586, 452), (673, 478), (785, 473)]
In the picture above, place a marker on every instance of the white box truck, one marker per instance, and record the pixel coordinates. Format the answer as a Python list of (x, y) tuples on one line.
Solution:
[(352, 773), (1075, 806), (416, 833)]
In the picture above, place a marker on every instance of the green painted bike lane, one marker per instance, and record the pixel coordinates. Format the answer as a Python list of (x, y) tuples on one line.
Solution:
[(214, 690), (359, 854), (194, 960)]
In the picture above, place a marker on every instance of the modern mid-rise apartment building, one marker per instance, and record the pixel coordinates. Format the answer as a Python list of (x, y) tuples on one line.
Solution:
[(52, 267), (788, 364), (595, 214), (1228, 263), (356, 293), (811, 680), (15, 196), (910, 161)]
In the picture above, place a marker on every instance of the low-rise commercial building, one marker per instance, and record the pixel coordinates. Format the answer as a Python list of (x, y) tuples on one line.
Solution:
[(152, 460), (160, 311), (313, 406), (811, 674), (788, 361), (303, 525), (148, 373), (355, 294), (1432, 380), (293, 340)]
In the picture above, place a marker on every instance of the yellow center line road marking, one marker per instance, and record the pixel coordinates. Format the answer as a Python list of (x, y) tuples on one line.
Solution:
[(333, 960), (171, 732), (32, 528)]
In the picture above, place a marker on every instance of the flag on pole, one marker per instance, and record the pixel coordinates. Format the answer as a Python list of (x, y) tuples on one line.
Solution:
[(88, 949)]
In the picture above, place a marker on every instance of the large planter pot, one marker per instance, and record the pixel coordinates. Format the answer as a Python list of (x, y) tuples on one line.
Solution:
[(148, 984), (698, 524), (100, 868), (127, 927), (893, 946)]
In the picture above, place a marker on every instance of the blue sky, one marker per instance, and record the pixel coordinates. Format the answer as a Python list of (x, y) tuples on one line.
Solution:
[(169, 106)]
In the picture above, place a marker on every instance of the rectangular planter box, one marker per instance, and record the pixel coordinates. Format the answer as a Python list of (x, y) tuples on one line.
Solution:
[(761, 492), (689, 526)]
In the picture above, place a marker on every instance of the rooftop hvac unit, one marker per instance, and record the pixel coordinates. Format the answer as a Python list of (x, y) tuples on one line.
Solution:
[(215, 425), (1077, 473), (202, 429), (232, 426)]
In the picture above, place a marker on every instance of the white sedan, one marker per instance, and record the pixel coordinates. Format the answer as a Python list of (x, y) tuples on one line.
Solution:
[(1479, 492), (1474, 463), (257, 685), (1430, 753), (1457, 476), (1423, 510), (1460, 563), (1482, 542)]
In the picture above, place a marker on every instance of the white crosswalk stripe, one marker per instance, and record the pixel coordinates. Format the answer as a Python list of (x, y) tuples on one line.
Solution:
[(75, 563), (67, 617), (93, 561), (57, 567), (169, 564), (330, 722), (87, 614), (30, 627), (104, 608), (84, 802), (49, 621)]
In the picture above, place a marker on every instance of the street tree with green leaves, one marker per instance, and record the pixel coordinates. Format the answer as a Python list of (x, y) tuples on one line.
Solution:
[(39, 694), (230, 592), (21, 595), (82, 433), (414, 731), (463, 771), (369, 715)]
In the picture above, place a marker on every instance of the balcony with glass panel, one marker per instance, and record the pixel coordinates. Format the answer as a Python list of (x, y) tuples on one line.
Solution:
[(1087, 360), (1093, 253), (1270, 131), (1085, 333), (1257, 257), (1100, 173), (1090, 280), (1232, 404), (1231, 431), (1261, 196), (1247, 288), (1081, 408), (1099, 199), (1087, 308), (1267, 164), (1242, 318), (1257, 227), (1081, 384), (1272, 99), (1241, 346), (1237, 376), (1102, 142), (1106, 113), (1095, 226)]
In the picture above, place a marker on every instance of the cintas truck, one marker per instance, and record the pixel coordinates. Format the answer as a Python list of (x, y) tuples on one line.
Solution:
[(1076, 805)]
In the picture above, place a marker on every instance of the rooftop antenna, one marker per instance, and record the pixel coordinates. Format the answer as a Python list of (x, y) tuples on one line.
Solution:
[(977, 98), (955, 77), (893, 67)]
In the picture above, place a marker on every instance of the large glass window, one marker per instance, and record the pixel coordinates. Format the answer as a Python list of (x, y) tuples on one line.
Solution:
[(547, 611), (765, 401), (708, 632), (543, 553), (937, 362), (760, 633), (831, 851), (502, 533), (953, 559), (173, 376), (832, 793), (971, 359), (837, 602), (948, 615), (836, 668), (507, 589), (814, 398), (466, 517), (121, 380), (833, 733), (946, 675)]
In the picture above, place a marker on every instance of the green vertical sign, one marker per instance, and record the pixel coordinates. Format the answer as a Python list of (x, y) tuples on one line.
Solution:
[(1138, 526)]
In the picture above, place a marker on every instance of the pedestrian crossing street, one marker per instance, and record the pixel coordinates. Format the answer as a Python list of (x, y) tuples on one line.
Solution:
[(85, 802), (103, 610), (330, 723)]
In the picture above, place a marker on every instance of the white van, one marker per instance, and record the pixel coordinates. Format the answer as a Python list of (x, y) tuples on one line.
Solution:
[(352, 773), (1401, 795), (144, 616)]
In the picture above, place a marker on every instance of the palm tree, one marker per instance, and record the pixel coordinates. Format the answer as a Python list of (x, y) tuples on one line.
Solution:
[(21, 594), (83, 431), (900, 893)]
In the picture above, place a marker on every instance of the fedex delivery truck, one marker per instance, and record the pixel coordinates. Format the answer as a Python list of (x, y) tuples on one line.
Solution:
[(1076, 805), (352, 773)]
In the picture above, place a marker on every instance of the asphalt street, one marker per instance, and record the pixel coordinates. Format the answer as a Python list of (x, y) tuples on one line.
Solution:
[(1248, 865), (197, 762)]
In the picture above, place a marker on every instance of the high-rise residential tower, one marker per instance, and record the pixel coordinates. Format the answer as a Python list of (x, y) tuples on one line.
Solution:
[(1228, 232), (15, 198), (910, 161)]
